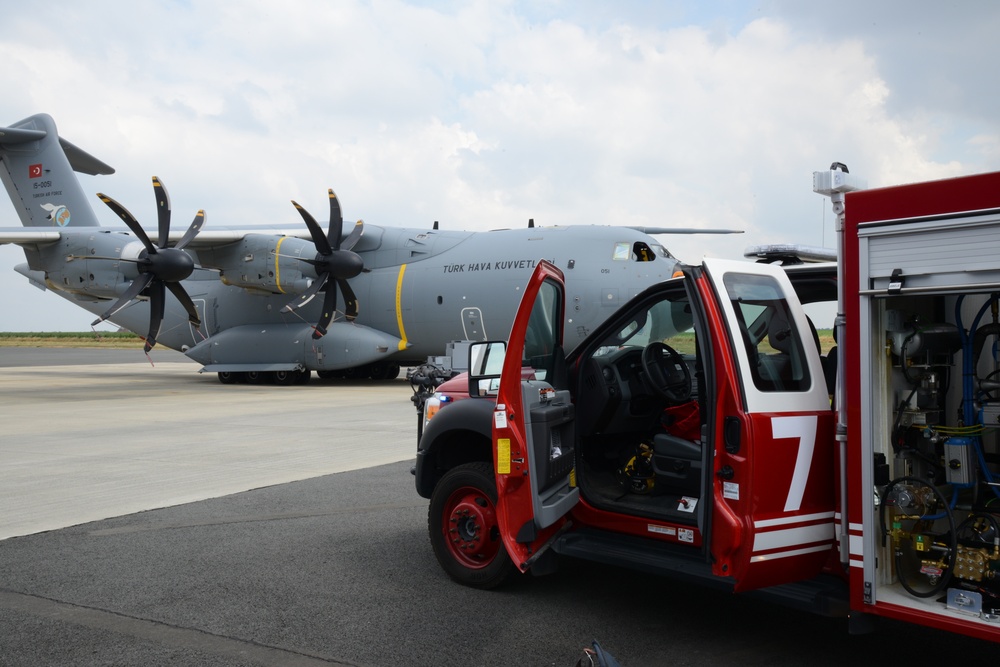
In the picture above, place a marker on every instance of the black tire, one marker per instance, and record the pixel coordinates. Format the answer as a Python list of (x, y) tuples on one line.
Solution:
[(285, 378), (461, 520), (226, 377), (257, 377)]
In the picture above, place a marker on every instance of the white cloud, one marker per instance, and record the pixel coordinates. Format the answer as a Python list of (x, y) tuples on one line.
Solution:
[(485, 114)]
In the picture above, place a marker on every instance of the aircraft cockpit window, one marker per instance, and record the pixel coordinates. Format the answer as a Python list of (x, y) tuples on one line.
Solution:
[(661, 251), (642, 252)]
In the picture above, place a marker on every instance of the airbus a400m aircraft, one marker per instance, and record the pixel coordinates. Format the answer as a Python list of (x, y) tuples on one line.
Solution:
[(241, 301)]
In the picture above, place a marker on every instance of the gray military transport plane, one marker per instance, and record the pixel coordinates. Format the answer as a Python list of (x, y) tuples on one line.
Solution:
[(241, 301)]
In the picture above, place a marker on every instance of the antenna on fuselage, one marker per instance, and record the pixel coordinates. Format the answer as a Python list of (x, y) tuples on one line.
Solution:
[(531, 223), (435, 225)]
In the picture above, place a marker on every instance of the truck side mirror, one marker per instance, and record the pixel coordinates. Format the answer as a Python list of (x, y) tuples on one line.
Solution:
[(485, 364)]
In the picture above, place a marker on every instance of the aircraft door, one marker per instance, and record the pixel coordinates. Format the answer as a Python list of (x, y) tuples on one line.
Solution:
[(774, 488), (204, 331), (533, 424), (472, 324)]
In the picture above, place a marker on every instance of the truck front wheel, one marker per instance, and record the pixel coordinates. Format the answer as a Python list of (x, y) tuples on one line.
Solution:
[(462, 521)]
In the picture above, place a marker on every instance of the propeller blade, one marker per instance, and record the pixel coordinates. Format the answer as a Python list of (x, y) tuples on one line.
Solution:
[(178, 291), (130, 221), (162, 211), (329, 307), (139, 284), (319, 240), (355, 236), (308, 295), (336, 220), (157, 299), (350, 300), (196, 225)]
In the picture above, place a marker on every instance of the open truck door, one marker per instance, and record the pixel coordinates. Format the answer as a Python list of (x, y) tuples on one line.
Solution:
[(533, 425), (774, 499)]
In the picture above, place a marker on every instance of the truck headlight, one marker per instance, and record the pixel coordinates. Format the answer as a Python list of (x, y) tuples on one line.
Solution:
[(433, 405)]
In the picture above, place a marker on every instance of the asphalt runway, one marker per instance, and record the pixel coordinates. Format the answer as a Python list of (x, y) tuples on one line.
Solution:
[(333, 568)]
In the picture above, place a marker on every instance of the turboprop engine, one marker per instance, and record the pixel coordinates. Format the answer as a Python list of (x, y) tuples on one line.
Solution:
[(266, 263), (98, 266)]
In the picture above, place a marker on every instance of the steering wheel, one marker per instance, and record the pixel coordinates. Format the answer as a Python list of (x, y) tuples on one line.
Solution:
[(666, 373)]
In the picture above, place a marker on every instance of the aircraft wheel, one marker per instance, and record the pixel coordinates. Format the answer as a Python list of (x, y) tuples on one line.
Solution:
[(285, 378), (226, 377), (303, 376), (326, 375), (378, 371), (393, 372), (462, 521), (256, 377)]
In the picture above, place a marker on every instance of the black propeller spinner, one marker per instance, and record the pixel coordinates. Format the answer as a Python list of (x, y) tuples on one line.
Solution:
[(159, 266), (334, 260)]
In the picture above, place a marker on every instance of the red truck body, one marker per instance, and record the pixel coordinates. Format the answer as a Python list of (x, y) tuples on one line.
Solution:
[(703, 432)]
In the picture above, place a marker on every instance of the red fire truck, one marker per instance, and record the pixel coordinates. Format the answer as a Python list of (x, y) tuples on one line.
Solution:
[(703, 431)]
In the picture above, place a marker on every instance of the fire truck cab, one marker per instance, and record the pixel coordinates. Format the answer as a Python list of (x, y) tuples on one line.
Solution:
[(703, 431)]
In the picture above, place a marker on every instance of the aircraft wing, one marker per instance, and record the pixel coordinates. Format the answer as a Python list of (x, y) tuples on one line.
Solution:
[(682, 230), (207, 238), (23, 236)]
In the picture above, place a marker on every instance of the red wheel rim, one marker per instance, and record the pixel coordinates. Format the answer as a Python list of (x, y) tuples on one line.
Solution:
[(469, 526)]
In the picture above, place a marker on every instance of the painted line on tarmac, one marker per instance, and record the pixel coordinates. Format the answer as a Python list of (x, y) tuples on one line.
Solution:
[(162, 633)]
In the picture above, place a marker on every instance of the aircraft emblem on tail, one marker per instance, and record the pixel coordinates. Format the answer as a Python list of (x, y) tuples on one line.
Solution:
[(58, 213)]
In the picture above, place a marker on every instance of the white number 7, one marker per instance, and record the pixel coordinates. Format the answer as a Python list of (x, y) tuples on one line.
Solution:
[(802, 428)]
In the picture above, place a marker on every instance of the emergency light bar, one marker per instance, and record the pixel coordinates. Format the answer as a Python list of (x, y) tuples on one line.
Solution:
[(790, 253)]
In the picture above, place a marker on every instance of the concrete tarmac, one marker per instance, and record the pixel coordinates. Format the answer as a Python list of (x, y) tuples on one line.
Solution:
[(87, 441), (332, 569)]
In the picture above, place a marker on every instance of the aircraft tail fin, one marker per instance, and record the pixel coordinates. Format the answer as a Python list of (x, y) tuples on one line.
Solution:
[(37, 167)]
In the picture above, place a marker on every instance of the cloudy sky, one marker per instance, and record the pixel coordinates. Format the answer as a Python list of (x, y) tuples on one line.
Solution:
[(483, 114)]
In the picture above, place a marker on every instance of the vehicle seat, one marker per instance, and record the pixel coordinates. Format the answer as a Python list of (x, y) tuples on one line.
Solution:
[(775, 369), (677, 464)]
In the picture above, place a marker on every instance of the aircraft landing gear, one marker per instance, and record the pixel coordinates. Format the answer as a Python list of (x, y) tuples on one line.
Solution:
[(226, 377), (286, 378), (280, 378), (377, 371)]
